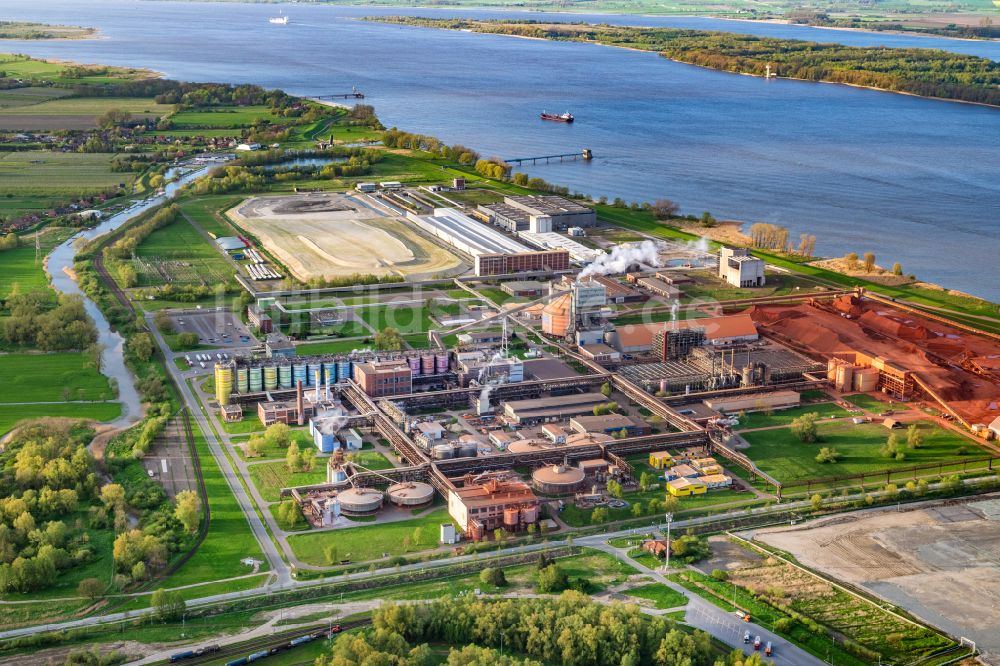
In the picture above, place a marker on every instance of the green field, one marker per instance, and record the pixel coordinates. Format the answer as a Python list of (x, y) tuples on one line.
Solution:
[(249, 424), (271, 477), (51, 377), (229, 537), (779, 453), (221, 117), (206, 212), (22, 67), (404, 318), (27, 96), (370, 460), (786, 416), (75, 113), (868, 403), (360, 544), (272, 451), (660, 594), (180, 252), (19, 268), (330, 347), (39, 173), (98, 411)]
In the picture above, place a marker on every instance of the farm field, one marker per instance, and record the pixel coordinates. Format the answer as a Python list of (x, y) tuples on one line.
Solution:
[(368, 542), (271, 477), (18, 268), (38, 173), (98, 411), (786, 416), (32, 95), (56, 377), (223, 117), (207, 213), (779, 452), (178, 254), (76, 112)]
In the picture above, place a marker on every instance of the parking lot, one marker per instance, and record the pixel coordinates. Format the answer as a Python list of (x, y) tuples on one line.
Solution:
[(222, 328)]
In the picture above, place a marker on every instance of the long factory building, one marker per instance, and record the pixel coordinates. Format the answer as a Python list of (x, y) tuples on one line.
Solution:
[(494, 253)]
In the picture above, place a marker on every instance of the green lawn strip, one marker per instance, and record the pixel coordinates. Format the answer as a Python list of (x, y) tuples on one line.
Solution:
[(867, 402), (660, 594), (577, 517), (229, 537), (97, 411), (418, 341), (645, 558), (369, 542), (786, 416), (779, 452), (273, 451), (247, 425), (59, 376), (271, 477), (404, 318), (208, 212), (332, 347), (370, 460)]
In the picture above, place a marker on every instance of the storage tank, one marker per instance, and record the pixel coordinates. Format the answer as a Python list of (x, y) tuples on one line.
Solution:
[(299, 373), (511, 517), (343, 370), (468, 448), (256, 379), (427, 364), (529, 514), (664, 386), (831, 369), (557, 479), (747, 376), (556, 316), (311, 370), (411, 493), (335, 472), (242, 380), (440, 364), (414, 362), (845, 377), (360, 501), (442, 451), (285, 376), (270, 377), (865, 380), (223, 382)]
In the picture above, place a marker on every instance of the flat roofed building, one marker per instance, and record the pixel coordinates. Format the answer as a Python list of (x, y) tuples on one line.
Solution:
[(278, 346), (601, 353), (739, 268), (594, 466), (719, 331), (609, 423), (522, 262), (755, 403), (286, 412), (660, 459), (682, 487), (717, 480), (552, 241), (682, 472), (383, 378), (481, 508), (554, 433), (526, 412), (618, 292), (524, 288), (259, 319), (564, 213)]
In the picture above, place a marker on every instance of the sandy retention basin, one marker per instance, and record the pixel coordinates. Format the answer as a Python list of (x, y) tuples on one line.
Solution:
[(939, 563), (333, 235)]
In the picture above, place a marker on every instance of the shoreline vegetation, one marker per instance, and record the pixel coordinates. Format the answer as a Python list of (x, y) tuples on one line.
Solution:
[(33, 31), (929, 73)]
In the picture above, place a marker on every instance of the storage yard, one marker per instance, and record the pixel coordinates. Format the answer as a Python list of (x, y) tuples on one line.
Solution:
[(338, 235), (938, 563)]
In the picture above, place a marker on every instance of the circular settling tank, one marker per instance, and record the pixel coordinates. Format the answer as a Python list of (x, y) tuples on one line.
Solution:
[(411, 493), (557, 479), (360, 500)]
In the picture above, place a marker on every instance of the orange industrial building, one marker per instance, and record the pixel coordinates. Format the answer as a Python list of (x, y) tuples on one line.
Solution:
[(384, 378), (557, 316), (480, 508)]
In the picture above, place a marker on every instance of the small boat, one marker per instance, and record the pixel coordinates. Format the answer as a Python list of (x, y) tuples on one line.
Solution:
[(281, 19), (559, 118)]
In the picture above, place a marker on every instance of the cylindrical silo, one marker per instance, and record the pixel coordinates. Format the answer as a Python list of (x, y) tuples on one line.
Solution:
[(467, 449), (270, 377), (256, 379), (242, 380), (529, 514), (343, 370), (443, 452), (223, 382), (299, 373), (511, 517), (441, 364), (865, 380), (845, 377), (285, 376), (414, 362), (311, 370), (831, 369), (427, 364)]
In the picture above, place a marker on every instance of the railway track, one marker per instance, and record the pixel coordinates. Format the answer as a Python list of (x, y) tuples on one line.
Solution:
[(278, 640)]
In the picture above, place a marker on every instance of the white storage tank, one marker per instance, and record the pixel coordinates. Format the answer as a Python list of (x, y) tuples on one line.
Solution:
[(360, 501), (411, 493)]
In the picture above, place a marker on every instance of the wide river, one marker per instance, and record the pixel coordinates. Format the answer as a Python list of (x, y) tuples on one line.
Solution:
[(914, 180)]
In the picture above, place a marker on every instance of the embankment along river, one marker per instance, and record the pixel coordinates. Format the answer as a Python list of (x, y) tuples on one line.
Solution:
[(914, 180)]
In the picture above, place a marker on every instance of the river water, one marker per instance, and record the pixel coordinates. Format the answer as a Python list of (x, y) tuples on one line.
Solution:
[(61, 258), (914, 180)]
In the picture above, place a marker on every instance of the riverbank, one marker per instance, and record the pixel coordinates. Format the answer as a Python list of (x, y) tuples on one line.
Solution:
[(37, 31)]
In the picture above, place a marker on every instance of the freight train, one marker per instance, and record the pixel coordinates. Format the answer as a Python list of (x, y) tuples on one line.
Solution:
[(188, 654), (295, 642)]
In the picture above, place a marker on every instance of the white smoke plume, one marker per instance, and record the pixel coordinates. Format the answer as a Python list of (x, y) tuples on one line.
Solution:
[(330, 421), (645, 254)]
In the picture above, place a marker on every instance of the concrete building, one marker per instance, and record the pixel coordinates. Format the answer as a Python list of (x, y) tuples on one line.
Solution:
[(259, 319), (717, 480), (555, 434), (608, 424), (719, 331), (739, 268), (448, 534), (524, 288), (995, 427), (384, 378), (479, 509), (616, 292), (562, 212), (549, 240), (527, 412), (284, 411), (278, 346), (500, 263), (755, 403), (659, 287)]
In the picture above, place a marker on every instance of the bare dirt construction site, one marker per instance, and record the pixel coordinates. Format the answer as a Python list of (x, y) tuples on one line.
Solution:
[(337, 235), (955, 363), (938, 562)]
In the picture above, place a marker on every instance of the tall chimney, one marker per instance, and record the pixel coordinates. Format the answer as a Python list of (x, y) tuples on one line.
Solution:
[(318, 384), (300, 402)]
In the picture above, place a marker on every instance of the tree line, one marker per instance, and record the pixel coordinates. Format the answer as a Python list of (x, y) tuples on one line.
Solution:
[(36, 321), (924, 72)]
